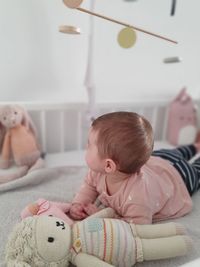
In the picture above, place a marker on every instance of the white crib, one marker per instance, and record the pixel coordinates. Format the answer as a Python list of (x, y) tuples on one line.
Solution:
[(62, 127), (62, 131)]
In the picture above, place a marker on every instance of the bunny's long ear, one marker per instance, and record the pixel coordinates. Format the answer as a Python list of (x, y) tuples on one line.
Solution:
[(27, 121), (181, 94)]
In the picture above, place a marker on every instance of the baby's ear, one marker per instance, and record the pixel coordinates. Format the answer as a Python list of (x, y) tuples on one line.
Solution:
[(15, 263)]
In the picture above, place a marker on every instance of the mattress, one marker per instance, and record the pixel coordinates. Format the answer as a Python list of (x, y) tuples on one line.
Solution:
[(59, 182)]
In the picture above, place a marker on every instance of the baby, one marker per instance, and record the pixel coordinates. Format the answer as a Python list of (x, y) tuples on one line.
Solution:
[(140, 184)]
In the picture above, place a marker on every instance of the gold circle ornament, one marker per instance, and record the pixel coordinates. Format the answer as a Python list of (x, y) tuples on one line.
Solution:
[(72, 3), (127, 37)]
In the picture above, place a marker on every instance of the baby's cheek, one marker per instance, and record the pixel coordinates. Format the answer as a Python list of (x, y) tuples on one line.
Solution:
[(86, 156), (89, 160)]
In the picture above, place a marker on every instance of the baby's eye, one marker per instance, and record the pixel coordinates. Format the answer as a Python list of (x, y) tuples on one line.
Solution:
[(15, 112), (50, 239), (4, 118)]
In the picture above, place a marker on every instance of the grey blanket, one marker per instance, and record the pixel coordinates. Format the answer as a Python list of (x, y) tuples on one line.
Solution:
[(60, 184)]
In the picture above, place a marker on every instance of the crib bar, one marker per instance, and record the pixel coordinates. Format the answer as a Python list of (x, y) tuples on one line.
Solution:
[(73, 136), (164, 132), (79, 131), (43, 130), (154, 117)]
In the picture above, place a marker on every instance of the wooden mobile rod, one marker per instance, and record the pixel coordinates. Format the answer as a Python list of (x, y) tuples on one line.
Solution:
[(125, 24)]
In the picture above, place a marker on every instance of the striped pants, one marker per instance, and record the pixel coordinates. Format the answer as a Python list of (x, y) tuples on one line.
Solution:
[(179, 157)]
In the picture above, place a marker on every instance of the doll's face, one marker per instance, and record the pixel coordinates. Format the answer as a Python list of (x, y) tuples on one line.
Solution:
[(53, 238), (11, 117)]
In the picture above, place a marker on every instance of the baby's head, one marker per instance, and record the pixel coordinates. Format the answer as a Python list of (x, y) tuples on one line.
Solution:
[(124, 137)]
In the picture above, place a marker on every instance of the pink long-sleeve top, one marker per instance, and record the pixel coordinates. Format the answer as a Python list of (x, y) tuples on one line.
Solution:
[(156, 193)]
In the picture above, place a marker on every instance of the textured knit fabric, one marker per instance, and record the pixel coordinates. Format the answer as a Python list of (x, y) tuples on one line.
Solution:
[(110, 240), (179, 157), (156, 193)]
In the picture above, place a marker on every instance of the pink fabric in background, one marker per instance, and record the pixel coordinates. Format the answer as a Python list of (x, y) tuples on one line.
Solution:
[(182, 120)]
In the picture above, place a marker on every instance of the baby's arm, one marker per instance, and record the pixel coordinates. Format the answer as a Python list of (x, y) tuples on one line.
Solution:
[(88, 192), (85, 196), (85, 260)]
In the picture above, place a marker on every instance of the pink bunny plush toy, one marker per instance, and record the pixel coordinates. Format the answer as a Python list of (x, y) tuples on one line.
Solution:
[(19, 145), (182, 120), (43, 207), (99, 240)]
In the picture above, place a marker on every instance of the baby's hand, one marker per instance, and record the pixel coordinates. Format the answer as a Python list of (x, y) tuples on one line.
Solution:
[(77, 211)]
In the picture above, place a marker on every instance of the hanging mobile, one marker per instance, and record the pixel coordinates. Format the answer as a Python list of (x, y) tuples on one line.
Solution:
[(69, 29), (76, 5), (127, 37), (173, 7)]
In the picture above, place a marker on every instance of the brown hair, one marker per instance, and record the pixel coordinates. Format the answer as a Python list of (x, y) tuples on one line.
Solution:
[(126, 138)]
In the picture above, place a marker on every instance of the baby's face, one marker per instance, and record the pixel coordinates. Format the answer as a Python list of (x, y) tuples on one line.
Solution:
[(53, 238), (92, 158)]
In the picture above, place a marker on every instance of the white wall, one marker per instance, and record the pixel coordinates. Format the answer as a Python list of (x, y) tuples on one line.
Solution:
[(39, 63)]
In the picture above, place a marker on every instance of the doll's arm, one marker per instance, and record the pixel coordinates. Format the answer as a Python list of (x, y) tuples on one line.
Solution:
[(104, 213), (6, 151), (167, 247), (157, 230), (85, 260)]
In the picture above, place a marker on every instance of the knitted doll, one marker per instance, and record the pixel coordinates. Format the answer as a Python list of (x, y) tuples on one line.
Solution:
[(48, 241), (19, 144)]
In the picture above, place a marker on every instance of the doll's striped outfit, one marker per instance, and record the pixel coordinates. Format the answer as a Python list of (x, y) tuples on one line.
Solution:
[(110, 240), (179, 157)]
